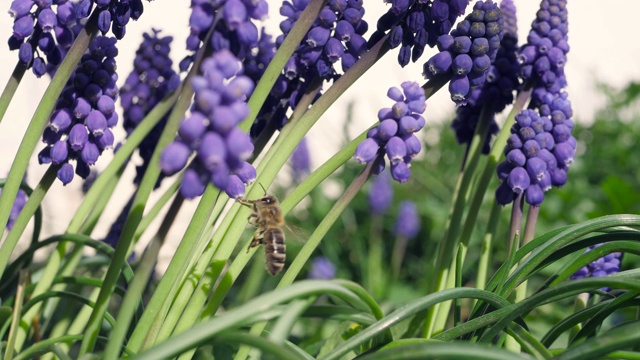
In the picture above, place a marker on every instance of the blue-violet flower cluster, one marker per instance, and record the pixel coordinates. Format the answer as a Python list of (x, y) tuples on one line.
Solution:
[(18, 204), (234, 29), (42, 32), (606, 265), (408, 223), (541, 147), (395, 133), (466, 54), (322, 269), (300, 160), (413, 25), (380, 194), (151, 80), (497, 91), (211, 130), (51, 26), (79, 128)]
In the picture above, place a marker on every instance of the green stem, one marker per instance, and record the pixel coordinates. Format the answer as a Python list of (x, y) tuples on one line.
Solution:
[(198, 299), (32, 205), (139, 283), (147, 328), (11, 87), (17, 310), (147, 184), (376, 283), (39, 121), (313, 242), (487, 242), (274, 69), (231, 228)]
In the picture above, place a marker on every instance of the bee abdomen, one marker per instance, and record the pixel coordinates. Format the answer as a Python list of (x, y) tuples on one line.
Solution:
[(275, 250)]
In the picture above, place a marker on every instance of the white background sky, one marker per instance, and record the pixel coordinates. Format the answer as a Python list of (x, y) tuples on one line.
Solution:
[(603, 43)]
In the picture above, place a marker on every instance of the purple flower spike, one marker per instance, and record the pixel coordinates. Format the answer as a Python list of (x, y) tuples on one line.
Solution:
[(322, 269), (222, 148), (543, 132), (408, 223), (467, 53), (79, 124), (395, 131), (380, 194), (300, 160), (604, 266), (191, 185)]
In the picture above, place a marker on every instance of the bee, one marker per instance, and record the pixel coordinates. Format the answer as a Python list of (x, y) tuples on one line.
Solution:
[(268, 219)]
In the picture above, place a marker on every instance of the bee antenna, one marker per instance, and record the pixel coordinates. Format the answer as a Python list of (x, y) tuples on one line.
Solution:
[(265, 190)]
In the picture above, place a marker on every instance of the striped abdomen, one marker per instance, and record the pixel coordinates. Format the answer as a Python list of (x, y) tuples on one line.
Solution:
[(275, 250)]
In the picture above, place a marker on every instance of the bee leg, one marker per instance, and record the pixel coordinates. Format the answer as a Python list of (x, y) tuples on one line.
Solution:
[(253, 219), (245, 202), (258, 238)]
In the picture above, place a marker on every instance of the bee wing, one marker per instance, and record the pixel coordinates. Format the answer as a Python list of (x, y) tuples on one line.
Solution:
[(296, 234)]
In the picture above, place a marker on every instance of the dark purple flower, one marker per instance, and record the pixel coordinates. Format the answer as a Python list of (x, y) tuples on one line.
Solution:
[(408, 223), (412, 25), (472, 46), (151, 80), (501, 81), (380, 194), (18, 204), (82, 111), (606, 265), (544, 136), (322, 269), (221, 151), (300, 160), (394, 135)]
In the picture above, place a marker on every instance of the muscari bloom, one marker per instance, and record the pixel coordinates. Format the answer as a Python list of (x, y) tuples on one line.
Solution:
[(606, 265), (80, 126), (234, 29), (49, 27), (408, 223), (380, 194), (336, 37), (541, 147), (151, 80), (395, 134), (466, 54), (322, 269), (412, 25), (211, 130), (300, 160), (497, 91), (18, 204)]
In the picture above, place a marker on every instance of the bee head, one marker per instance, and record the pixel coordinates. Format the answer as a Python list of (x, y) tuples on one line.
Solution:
[(268, 200)]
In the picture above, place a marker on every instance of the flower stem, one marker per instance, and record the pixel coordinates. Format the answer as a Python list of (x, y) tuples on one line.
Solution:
[(313, 242), (11, 87), (39, 121), (136, 288)]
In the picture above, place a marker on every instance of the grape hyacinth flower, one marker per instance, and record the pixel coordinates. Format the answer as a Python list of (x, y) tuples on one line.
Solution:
[(80, 126), (408, 223), (497, 91), (300, 160), (234, 29), (337, 34), (211, 130), (468, 52), (42, 32), (395, 134), (322, 269), (18, 204), (151, 80), (412, 25), (49, 27), (541, 147), (380, 194), (606, 265)]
